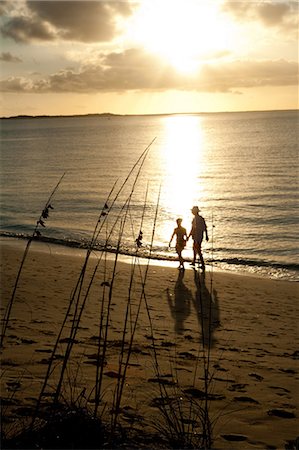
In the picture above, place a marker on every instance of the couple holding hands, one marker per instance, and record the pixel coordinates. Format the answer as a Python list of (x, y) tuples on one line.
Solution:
[(198, 229)]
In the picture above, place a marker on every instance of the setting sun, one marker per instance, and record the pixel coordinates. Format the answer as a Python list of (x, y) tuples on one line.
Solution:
[(183, 33)]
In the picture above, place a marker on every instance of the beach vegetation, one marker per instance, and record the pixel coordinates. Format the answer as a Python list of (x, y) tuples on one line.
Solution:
[(69, 414), (35, 234)]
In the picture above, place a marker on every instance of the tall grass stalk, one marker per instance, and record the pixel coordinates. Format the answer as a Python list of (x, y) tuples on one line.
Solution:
[(101, 357), (76, 295), (78, 315), (130, 325), (77, 288), (100, 361), (35, 233)]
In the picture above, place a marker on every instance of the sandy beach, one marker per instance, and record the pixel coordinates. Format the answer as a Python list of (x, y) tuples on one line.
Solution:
[(246, 327)]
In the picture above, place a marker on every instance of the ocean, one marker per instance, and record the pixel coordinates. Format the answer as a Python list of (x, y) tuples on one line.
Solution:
[(241, 169)]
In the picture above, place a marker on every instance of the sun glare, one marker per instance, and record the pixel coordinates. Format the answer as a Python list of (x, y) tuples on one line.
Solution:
[(183, 159), (184, 33)]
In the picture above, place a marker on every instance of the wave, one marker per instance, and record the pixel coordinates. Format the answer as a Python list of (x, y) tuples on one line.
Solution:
[(161, 254), (144, 252), (260, 263)]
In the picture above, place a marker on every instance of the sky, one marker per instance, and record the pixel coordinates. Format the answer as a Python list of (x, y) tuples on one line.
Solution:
[(148, 56)]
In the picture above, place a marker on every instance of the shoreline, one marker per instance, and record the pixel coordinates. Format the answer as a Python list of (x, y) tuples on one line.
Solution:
[(250, 323), (233, 269)]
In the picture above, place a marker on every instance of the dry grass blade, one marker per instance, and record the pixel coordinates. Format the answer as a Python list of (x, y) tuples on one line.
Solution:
[(40, 222)]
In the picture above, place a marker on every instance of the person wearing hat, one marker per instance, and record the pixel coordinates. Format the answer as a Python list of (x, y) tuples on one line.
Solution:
[(198, 229)]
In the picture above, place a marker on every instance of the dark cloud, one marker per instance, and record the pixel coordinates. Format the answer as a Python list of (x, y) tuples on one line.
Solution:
[(85, 21), (134, 70), (26, 29), (273, 14), (283, 15), (8, 57), (5, 7), (82, 21)]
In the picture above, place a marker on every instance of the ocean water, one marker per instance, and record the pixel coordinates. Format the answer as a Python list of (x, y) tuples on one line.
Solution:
[(241, 169)]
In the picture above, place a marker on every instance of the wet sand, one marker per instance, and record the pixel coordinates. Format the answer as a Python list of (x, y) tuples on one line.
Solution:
[(248, 323)]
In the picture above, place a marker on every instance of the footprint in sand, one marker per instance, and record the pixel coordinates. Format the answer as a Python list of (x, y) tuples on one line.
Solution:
[(168, 344), (234, 437), (290, 371), (281, 413), (197, 393), (239, 387), (163, 381), (218, 367), (244, 399), (256, 376), (95, 360), (280, 390), (113, 374), (186, 355)]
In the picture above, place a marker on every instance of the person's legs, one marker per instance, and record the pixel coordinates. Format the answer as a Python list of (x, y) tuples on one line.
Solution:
[(195, 252), (201, 261), (181, 259), (200, 256)]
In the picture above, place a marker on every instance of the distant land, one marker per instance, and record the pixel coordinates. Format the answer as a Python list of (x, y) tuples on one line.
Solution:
[(108, 115), (58, 116)]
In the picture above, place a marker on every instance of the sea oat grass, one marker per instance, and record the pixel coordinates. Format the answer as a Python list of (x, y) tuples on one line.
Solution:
[(185, 421), (36, 233)]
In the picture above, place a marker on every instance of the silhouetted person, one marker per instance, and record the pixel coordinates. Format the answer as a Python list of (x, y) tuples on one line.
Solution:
[(181, 240), (198, 229), (180, 303)]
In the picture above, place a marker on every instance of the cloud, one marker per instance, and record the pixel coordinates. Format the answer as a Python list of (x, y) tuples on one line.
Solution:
[(26, 29), (3, 8), (8, 57), (134, 70), (16, 85), (282, 15), (248, 74), (82, 21)]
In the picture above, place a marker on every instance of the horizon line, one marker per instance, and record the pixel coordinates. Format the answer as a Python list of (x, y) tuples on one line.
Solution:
[(30, 116)]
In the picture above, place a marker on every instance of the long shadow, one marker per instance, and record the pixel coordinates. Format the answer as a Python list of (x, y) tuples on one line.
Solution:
[(180, 303), (207, 309)]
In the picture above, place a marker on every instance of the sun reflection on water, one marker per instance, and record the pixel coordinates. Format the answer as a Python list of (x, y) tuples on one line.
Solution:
[(183, 160)]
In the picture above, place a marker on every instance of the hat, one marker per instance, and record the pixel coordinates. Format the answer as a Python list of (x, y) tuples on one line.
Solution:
[(195, 208)]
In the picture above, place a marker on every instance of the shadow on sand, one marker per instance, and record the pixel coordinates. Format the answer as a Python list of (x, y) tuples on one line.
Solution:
[(205, 302), (207, 309), (180, 303)]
